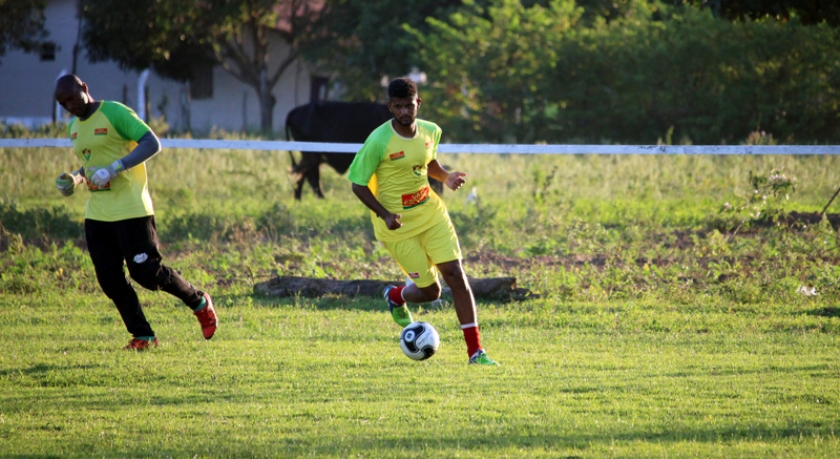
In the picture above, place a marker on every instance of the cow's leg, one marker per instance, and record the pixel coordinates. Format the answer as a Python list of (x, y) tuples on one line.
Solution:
[(299, 189), (313, 176)]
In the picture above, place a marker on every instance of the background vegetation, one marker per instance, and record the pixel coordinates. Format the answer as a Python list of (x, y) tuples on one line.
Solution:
[(508, 73), (523, 71)]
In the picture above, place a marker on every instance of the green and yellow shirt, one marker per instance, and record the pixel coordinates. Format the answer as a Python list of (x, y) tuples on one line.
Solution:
[(395, 170), (109, 134)]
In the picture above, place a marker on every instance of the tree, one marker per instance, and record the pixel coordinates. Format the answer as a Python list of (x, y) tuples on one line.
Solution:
[(490, 68), (509, 73), (21, 25), (359, 42), (241, 36), (810, 12)]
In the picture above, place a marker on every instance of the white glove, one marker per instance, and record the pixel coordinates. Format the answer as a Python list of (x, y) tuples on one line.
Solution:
[(102, 176), (66, 183)]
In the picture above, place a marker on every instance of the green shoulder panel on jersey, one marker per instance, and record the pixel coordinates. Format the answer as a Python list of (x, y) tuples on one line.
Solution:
[(128, 125)]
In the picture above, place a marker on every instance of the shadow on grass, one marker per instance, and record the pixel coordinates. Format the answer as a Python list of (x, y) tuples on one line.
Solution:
[(222, 442), (826, 312), (36, 370), (38, 226)]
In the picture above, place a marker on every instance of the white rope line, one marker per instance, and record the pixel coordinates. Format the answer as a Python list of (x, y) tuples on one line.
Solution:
[(516, 149)]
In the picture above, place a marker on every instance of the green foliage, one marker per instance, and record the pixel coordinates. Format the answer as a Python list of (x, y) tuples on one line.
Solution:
[(354, 49), (808, 11), (509, 73), (18, 131)]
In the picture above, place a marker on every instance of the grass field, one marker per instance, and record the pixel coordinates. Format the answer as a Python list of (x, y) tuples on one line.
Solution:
[(659, 331)]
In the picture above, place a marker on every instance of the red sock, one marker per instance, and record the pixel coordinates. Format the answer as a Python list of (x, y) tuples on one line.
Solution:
[(472, 337), (395, 294)]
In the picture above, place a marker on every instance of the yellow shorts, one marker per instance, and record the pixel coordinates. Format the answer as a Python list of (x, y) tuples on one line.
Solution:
[(418, 255)]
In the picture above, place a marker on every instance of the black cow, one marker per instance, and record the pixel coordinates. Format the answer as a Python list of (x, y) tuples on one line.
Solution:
[(333, 122)]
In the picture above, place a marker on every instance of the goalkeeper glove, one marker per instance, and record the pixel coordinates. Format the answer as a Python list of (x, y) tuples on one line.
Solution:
[(66, 183), (102, 176)]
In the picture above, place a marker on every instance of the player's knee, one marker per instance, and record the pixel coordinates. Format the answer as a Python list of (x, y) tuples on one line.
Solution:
[(452, 272), (148, 273), (430, 293)]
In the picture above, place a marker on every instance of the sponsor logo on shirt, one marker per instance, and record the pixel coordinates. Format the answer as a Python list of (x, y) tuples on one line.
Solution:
[(414, 275), (100, 131), (428, 144), (415, 199), (397, 155)]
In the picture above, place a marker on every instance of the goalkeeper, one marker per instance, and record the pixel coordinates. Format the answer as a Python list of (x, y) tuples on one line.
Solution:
[(113, 144)]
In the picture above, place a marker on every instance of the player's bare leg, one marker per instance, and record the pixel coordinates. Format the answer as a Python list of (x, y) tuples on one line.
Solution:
[(454, 276)]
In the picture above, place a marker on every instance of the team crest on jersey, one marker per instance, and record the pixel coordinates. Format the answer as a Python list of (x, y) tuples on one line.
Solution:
[(86, 153), (100, 131), (397, 155), (418, 170), (74, 135)]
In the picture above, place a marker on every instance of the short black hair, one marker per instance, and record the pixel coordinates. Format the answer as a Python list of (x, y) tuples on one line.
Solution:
[(401, 87)]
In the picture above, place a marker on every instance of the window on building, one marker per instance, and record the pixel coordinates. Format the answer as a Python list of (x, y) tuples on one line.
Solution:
[(201, 85), (318, 88), (48, 51)]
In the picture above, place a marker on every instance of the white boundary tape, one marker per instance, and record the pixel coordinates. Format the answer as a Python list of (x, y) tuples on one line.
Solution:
[(517, 149)]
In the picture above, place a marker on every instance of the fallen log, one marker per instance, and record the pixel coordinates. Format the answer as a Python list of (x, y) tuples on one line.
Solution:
[(495, 288)]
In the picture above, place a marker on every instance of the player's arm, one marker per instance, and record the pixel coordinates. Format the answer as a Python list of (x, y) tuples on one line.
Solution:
[(368, 199), (147, 146), (130, 127), (453, 180)]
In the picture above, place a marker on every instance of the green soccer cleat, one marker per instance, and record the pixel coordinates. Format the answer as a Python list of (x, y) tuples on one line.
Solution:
[(481, 358), (400, 312)]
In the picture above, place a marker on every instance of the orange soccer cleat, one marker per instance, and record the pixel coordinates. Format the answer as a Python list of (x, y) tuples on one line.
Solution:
[(207, 318), (138, 344)]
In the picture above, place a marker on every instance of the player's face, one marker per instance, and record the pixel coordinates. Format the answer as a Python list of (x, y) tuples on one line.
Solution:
[(404, 109), (73, 98)]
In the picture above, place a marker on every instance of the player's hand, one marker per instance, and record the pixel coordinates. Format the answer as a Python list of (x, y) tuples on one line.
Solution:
[(392, 221), (455, 180), (66, 183), (104, 175)]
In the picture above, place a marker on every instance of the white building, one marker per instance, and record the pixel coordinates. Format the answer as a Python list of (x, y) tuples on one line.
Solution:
[(213, 100)]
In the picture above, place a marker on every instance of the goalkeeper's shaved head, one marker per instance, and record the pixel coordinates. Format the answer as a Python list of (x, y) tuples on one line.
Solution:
[(68, 83)]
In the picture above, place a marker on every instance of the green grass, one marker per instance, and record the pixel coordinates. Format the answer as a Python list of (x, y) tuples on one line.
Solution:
[(658, 332), (326, 378)]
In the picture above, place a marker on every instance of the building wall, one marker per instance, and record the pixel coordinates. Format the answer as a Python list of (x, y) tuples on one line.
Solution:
[(28, 83)]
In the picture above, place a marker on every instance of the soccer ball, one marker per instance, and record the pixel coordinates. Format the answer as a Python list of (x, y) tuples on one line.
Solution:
[(419, 340)]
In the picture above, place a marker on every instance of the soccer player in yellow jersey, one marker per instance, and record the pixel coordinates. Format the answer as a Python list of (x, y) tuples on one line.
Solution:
[(113, 144), (390, 176)]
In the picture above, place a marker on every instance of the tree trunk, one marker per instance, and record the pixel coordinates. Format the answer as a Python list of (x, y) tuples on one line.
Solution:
[(498, 288), (267, 102)]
